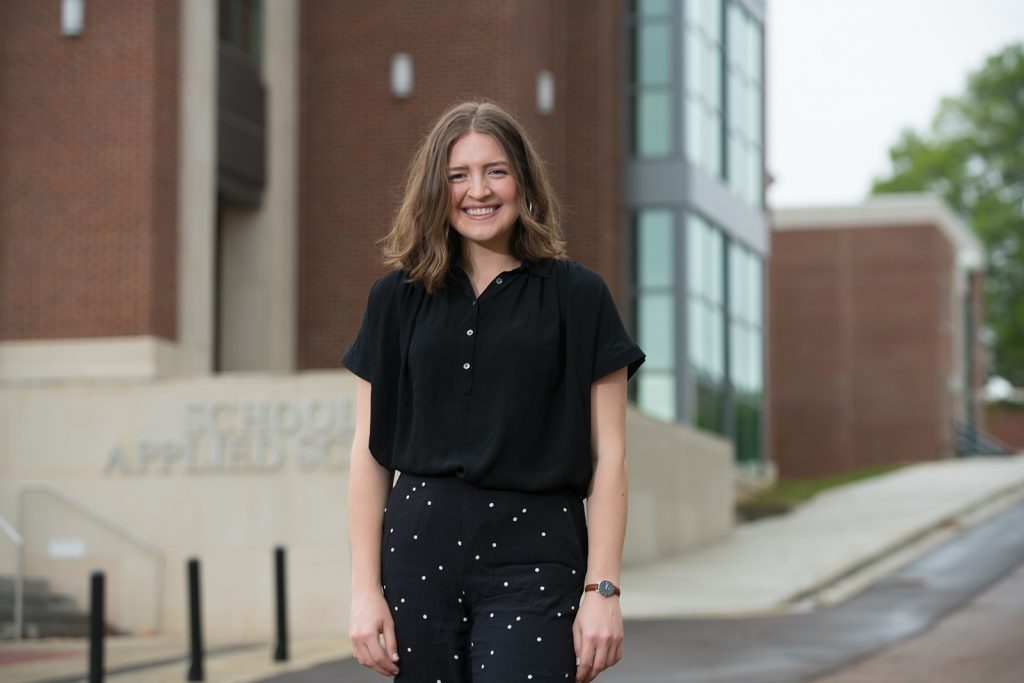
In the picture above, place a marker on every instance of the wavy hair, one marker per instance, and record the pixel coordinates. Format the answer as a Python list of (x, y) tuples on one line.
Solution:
[(421, 240)]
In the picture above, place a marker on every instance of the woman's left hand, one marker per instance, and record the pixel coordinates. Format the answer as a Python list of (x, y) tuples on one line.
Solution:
[(597, 636)]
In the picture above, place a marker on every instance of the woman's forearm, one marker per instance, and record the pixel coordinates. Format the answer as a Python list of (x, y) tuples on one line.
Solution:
[(606, 520), (368, 488)]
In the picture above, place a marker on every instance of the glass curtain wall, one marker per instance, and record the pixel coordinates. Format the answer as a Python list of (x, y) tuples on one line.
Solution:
[(705, 248), (745, 79), (654, 287), (746, 350), (703, 60), (651, 77)]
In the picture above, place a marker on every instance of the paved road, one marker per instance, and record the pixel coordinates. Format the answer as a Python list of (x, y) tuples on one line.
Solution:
[(800, 647), (981, 641)]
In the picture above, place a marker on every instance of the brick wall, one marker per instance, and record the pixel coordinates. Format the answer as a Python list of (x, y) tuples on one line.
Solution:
[(356, 139), (88, 173), (860, 348)]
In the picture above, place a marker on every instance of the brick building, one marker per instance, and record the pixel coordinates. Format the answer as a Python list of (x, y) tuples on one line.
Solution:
[(190, 196), (875, 313)]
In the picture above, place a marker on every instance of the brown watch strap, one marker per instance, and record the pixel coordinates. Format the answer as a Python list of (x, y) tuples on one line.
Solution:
[(593, 587)]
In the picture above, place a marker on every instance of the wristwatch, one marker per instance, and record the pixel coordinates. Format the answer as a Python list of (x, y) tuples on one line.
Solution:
[(605, 588)]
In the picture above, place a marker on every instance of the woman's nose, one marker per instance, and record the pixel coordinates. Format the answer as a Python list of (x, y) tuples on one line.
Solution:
[(478, 186)]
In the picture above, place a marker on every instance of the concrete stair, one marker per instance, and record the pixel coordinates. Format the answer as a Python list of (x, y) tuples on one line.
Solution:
[(45, 614)]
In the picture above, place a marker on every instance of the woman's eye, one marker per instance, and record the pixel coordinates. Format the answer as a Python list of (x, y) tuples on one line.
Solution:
[(499, 171), (456, 176)]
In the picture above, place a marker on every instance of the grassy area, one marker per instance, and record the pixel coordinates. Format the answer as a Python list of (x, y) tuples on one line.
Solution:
[(788, 493)]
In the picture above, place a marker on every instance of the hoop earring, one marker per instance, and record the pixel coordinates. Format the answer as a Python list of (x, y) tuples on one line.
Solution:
[(529, 209)]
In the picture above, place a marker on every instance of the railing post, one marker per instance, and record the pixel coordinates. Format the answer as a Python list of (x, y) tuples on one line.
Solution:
[(281, 650), (96, 620), (195, 670)]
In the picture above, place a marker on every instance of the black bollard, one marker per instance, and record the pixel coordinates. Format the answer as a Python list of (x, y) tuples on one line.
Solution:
[(96, 629), (195, 670), (281, 650)]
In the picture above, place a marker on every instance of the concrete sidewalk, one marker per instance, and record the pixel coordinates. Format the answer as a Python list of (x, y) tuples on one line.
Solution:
[(773, 565), (824, 551)]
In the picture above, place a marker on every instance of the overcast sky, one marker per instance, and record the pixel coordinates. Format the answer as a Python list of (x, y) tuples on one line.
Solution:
[(844, 76)]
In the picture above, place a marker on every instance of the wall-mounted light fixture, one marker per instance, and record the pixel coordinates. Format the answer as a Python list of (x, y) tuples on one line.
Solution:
[(72, 17), (401, 74), (545, 92)]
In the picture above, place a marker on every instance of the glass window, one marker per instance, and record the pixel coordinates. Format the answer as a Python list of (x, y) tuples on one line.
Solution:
[(655, 248), (656, 328), (241, 25), (656, 395), (654, 54), (650, 8), (653, 132)]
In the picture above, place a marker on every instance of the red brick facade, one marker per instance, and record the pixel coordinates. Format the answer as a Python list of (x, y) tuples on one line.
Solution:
[(862, 348), (356, 139), (1005, 421), (88, 170)]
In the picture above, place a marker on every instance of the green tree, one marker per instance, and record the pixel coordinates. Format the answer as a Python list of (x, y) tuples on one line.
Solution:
[(973, 157)]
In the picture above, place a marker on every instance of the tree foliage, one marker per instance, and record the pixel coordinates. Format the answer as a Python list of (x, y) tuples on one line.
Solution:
[(973, 157)]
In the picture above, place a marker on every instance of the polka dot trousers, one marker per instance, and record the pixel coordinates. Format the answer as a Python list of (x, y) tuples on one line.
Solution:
[(483, 585)]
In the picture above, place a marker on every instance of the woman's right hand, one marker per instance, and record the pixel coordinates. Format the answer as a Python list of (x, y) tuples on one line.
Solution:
[(369, 618)]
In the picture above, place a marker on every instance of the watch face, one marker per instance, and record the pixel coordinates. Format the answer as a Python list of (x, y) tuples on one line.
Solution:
[(606, 588)]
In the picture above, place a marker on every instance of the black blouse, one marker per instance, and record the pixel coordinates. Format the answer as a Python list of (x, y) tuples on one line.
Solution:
[(495, 389)]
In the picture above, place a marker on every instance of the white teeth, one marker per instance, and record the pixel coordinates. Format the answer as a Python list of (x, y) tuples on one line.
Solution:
[(481, 211)]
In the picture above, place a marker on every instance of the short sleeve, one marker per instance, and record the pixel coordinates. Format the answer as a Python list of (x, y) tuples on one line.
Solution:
[(358, 357), (613, 347)]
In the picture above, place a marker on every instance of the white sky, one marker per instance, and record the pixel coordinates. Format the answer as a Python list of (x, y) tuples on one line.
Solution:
[(844, 76)]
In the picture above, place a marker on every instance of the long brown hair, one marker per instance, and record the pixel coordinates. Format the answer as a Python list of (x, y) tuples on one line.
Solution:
[(422, 242)]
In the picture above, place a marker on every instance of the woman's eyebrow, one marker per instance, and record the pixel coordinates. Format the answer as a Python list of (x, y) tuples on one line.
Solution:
[(493, 163)]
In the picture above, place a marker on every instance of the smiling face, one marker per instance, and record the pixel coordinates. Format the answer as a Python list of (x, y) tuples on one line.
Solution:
[(483, 192)]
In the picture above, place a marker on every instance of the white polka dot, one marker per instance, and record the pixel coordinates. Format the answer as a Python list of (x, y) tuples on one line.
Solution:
[(524, 509), (403, 600), (506, 583), (423, 578), (413, 488), (572, 607), (424, 616), (542, 587), (565, 509), (428, 502), (392, 550), (494, 545), (510, 626), (440, 567), (392, 530), (492, 652), (519, 618), (529, 676), (538, 639), (536, 569), (477, 557), (492, 615), (481, 666), (490, 505), (460, 600), (407, 496), (559, 614), (543, 533), (573, 571), (456, 657), (515, 519), (396, 608), (423, 483), (415, 537), (465, 618), (408, 649), (460, 543)]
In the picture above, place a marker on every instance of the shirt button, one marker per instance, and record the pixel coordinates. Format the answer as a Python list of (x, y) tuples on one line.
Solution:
[(469, 333), (465, 366), (498, 280)]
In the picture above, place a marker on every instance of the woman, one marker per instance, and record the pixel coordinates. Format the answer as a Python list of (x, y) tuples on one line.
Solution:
[(492, 375)]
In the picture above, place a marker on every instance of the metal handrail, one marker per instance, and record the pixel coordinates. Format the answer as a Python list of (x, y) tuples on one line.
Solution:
[(18, 541), (96, 515)]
